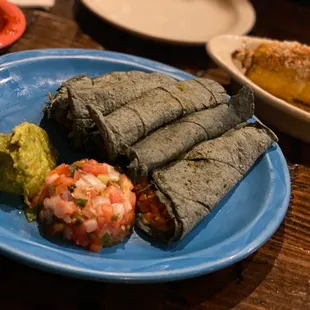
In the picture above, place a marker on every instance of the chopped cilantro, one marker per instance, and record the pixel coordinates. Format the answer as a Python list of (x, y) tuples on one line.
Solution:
[(72, 169), (71, 188), (80, 163), (78, 219), (115, 217), (106, 240), (81, 202)]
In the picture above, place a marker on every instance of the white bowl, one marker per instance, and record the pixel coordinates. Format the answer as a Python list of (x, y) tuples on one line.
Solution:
[(274, 111)]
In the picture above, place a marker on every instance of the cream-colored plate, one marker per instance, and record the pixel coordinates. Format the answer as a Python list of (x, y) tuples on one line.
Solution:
[(179, 21), (274, 111)]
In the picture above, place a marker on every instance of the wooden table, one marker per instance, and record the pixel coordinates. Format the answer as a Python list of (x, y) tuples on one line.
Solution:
[(276, 277)]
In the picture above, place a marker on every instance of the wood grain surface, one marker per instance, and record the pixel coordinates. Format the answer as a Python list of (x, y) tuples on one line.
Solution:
[(276, 277)]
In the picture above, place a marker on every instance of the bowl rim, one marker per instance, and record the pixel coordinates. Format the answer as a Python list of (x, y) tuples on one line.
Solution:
[(220, 58)]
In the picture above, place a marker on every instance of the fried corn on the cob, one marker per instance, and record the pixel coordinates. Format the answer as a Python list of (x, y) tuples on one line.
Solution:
[(281, 68)]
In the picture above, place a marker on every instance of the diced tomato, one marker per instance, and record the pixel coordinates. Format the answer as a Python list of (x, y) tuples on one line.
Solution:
[(128, 218), (89, 168), (61, 188), (96, 240), (105, 212), (103, 168), (114, 225), (62, 169), (79, 235), (114, 194), (125, 183), (95, 247), (64, 180), (80, 194), (38, 200), (76, 176), (95, 168), (64, 207)]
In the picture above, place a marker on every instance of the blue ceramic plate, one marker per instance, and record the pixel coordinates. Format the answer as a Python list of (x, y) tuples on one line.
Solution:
[(240, 224)]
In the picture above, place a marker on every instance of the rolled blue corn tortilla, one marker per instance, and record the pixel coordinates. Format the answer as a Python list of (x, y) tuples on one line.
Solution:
[(58, 108), (114, 95), (109, 98), (170, 142), (125, 126), (178, 196), (111, 77)]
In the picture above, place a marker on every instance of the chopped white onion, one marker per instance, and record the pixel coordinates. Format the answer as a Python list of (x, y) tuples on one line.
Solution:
[(51, 203), (82, 184), (90, 225), (92, 181), (113, 174), (127, 206), (88, 212), (52, 178), (118, 209), (61, 209), (100, 200)]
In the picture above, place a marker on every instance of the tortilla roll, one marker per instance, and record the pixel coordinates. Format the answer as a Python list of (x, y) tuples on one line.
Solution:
[(112, 77), (169, 143), (59, 106), (125, 126), (109, 98), (183, 193)]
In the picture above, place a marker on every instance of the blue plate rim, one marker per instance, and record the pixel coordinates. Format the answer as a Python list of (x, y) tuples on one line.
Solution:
[(138, 277), (23, 56)]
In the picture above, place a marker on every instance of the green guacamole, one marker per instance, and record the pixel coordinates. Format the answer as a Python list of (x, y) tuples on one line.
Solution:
[(7, 172), (26, 157)]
